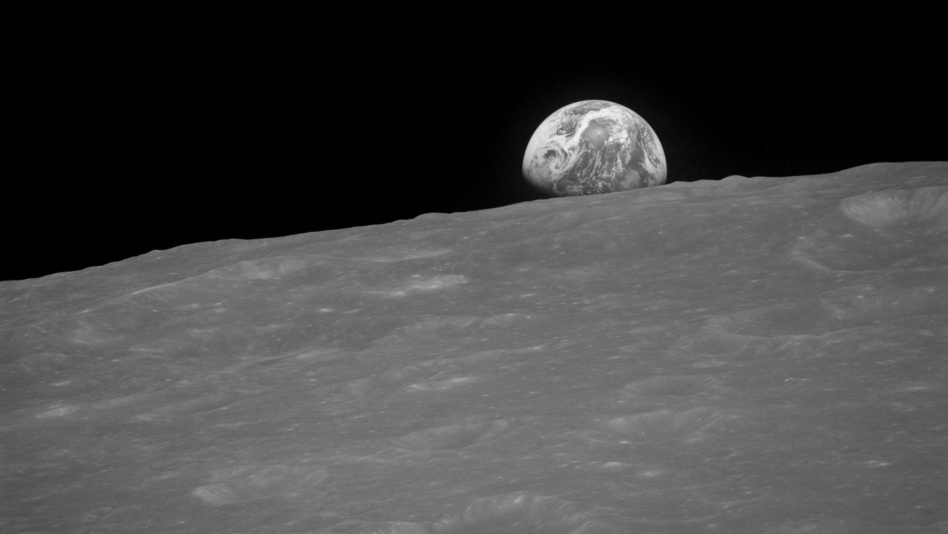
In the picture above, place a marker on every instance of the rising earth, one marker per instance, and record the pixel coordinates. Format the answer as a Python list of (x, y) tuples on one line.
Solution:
[(593, 147)]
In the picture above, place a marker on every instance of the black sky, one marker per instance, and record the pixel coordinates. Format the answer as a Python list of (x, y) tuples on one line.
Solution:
[(147, 131)]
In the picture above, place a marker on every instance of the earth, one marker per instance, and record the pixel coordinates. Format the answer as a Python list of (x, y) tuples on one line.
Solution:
[(593, 147)]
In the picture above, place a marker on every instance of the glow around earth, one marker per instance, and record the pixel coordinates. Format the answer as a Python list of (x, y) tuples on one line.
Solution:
[(592, 147)]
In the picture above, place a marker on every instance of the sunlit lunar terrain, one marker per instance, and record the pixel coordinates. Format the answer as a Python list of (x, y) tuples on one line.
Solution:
[(750, 355)]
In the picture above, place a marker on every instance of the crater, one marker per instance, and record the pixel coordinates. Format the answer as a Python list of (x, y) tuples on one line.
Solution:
[(452, 437), (925, 206), (522, 513), (681, 385), (662, 425), (866, 302), (267, 482)]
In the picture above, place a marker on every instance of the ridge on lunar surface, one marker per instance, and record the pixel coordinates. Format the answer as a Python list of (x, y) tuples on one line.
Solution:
[(750, 355)]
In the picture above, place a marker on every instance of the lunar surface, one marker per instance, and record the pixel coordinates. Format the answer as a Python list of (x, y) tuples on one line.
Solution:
[(750, 355), (593, 147)]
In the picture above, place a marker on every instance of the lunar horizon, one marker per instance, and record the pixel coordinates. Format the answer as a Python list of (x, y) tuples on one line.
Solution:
[(743, 355)]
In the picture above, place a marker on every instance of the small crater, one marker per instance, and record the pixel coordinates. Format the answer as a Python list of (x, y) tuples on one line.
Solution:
[(760, 327), (377, 527), (418, 283), (434, 375), (865, 302), (107, 514), (657, 386), (59, 411), (717, 339), (662, 425), (452, 436), (206, 403), (267, 482), (151, 418), (441, 385), (522, 513)]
